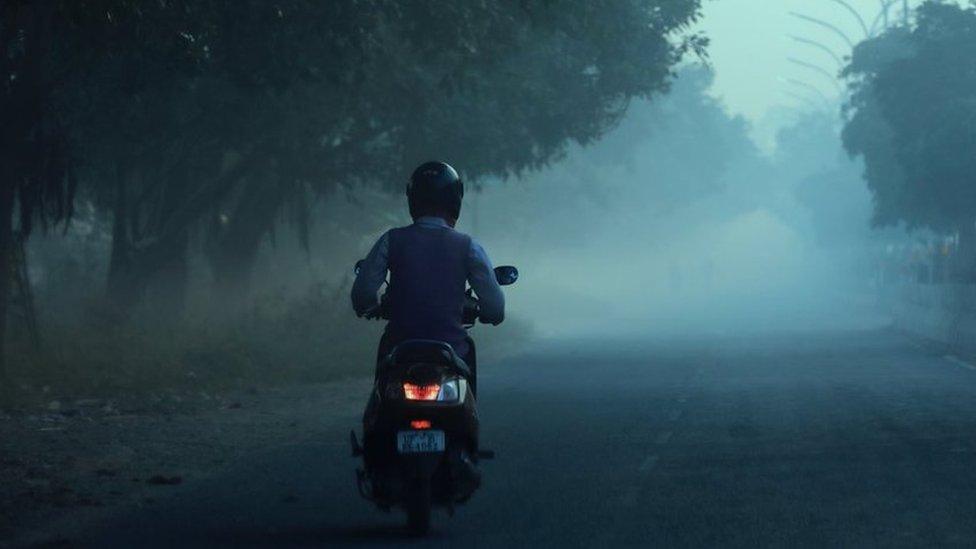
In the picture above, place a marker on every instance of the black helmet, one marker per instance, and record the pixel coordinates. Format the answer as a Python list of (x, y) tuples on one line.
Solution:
[(435, 188)]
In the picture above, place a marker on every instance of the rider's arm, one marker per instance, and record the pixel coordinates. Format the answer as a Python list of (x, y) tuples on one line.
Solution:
[(372, 274), (481, 276)]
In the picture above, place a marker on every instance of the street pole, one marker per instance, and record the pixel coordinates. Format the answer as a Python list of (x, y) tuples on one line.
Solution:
[(819, 70), (856, 14), (809, 87), (826, 25), (822, 47), (882, 17)]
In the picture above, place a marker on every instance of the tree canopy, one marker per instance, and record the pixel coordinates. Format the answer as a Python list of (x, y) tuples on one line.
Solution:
[(212, 121), (912, 116)]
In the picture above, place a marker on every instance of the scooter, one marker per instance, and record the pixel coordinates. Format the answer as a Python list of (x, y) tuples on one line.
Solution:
[(420, 443)]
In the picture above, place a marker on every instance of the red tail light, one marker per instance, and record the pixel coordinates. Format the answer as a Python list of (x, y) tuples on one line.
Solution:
[(420, 424), (421, 392)]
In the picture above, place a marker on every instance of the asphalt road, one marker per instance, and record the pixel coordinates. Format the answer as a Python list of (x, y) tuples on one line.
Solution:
[(856, 438)]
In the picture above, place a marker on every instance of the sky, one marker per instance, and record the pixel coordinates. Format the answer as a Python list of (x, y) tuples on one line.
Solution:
[(751, 47)]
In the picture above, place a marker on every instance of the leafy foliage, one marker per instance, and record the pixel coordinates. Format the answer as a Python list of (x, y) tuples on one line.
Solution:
[(192, 125), (912, 116), (238, 112)]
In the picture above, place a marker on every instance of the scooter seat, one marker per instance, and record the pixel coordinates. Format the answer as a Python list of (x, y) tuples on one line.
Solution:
[(426, 351)]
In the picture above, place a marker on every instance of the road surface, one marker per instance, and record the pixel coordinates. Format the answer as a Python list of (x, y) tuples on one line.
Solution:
[(852, 438)]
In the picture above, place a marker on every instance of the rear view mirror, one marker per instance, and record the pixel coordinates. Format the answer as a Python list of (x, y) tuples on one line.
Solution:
[(506, 275), (358, 267)]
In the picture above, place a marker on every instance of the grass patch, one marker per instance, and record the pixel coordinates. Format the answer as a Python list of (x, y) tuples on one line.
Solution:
[(277, 341)]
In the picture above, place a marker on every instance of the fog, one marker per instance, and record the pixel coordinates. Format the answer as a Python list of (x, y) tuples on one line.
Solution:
[(753, 42), (697, 194), (745, 232), (677, 221)]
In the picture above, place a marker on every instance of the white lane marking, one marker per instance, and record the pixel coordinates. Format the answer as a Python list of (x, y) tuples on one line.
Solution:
[(664, 437), (959, 362), (648, 464), (682, 400)]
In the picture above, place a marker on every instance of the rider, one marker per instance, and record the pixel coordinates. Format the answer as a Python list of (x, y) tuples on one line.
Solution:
[(429, 263)]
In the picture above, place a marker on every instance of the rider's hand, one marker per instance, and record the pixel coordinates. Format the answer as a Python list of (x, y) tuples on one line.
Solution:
[(471, 310), (378, 312)]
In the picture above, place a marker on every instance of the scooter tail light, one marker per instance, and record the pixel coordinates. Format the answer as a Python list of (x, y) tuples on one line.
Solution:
[(421, 392), (420, 424)]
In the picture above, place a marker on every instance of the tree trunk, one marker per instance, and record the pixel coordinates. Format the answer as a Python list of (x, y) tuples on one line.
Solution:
[(134, 266), (239, 240), (6, 271), (120, 291), (232, 265), (167, 287)]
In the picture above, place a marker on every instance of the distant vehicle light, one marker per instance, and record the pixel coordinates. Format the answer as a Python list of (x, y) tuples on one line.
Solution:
[(420, 424), (421, 392)]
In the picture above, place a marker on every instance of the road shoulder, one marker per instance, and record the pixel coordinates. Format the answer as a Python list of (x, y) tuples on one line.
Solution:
[(75, 463)]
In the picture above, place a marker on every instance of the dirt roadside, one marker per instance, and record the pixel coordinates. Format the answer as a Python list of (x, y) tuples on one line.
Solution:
[(74, 461)]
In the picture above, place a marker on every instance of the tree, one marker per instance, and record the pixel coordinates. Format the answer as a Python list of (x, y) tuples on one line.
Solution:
[(912, 116), (214, 118), (271, 105), (826, 181), (36, 180)]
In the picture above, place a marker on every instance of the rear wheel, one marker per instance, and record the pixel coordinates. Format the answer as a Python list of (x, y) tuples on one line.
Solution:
[(418, 506)]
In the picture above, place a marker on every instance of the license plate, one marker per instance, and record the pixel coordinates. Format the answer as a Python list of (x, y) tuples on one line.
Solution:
[(413, 442)]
